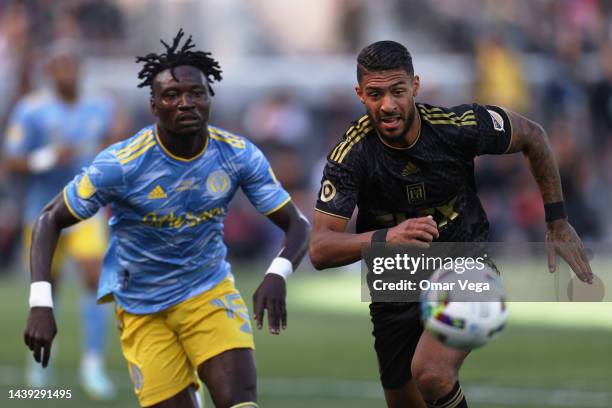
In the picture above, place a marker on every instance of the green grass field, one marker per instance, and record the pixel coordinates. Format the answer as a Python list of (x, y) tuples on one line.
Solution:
[(550, 355)]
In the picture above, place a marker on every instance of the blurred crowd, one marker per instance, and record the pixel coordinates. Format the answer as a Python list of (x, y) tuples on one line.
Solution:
[(549, 60)]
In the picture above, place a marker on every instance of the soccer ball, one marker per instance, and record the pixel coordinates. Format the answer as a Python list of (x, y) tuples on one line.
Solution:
[(449, 311)]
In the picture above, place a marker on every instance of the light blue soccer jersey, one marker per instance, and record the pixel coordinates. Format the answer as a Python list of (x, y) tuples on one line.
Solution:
[(167, 214), (41, 119)]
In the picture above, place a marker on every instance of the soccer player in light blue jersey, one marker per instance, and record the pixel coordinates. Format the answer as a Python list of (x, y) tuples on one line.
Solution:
[(52, 134), (169, 187)]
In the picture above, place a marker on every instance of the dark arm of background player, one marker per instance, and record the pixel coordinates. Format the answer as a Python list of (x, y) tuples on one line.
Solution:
[(40, 328), (297, 230), (272, 291), (530, 138)]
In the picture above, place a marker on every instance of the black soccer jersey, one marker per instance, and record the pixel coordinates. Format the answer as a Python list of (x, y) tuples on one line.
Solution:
[(434, 176)]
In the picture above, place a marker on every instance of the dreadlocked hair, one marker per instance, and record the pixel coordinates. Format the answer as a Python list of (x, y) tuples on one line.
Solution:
[(154, 63)]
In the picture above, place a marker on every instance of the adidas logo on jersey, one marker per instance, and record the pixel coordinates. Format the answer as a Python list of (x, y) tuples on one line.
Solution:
[(157, 192), (410, 168)]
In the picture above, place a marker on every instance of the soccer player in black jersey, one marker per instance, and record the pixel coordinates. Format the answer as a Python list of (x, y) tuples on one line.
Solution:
[(409, 168)]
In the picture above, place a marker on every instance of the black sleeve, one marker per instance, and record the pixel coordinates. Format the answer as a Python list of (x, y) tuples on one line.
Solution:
[(339, 188), (492, 132)]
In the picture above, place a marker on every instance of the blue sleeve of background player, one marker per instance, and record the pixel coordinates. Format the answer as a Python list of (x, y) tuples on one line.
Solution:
[(96, 186), (259, 182)]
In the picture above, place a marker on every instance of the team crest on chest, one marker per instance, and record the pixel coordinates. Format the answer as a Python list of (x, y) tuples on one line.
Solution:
[(416, 193), (218, 183)]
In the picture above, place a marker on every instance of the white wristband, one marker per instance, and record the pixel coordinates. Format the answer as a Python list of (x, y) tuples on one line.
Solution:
[(42, 159), (40, 294), (280, 266)]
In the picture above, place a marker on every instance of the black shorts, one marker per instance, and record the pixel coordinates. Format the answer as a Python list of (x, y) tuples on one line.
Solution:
[(397, 330)]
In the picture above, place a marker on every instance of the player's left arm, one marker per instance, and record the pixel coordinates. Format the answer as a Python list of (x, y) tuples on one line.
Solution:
[(530, 138), (267, 195), (272, 291)]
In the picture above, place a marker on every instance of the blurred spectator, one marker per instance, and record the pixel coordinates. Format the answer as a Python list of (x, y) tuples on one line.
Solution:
[(100, 20), (499, 77), (54, 132), (352, 19), (278, 119), (576, 176), (601, 99), (565, 94)]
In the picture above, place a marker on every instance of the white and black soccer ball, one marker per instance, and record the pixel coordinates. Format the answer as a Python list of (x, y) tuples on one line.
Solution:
[(455, 318)]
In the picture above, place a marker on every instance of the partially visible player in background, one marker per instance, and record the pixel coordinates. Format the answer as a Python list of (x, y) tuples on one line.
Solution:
[(52, 134), (409, 169), (169, 186)]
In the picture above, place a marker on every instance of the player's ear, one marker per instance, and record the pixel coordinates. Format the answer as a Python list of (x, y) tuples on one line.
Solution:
[(416, 83), (360, 93)]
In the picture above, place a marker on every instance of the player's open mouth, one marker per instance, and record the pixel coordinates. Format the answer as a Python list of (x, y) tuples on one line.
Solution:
[(390, 122)]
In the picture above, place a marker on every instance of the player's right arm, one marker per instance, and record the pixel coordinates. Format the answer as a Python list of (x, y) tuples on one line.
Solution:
[(81, 198), (40, 327), (330, 244)]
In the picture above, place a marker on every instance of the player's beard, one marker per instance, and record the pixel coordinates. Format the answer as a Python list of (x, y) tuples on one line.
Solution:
[(402, 135)]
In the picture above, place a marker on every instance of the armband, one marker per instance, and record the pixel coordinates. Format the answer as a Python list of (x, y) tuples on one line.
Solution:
[(280, 266), (555, 211), (40, 294), (380, 235)]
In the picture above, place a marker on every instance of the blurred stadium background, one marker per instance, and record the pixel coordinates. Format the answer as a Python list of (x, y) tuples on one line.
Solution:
[(289, 72)]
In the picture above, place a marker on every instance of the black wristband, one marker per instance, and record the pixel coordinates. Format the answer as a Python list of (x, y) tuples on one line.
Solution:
[(555, 211), (380, 235)]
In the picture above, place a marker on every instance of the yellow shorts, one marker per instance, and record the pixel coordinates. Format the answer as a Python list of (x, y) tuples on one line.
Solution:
[(83, 241), (163, 350)]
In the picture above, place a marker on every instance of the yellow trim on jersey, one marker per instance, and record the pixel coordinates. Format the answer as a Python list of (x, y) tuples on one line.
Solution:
[(468, 120), (353, 143), (74, 214), (176, 157), (339, 150), (447, 118), (278, 207), (348, 134), (138, 153), (134, 145), (333, 215), (226, 137), (402, 148), (450, 122), (361, 130), (432, 109), (449, 115), (351, 132)]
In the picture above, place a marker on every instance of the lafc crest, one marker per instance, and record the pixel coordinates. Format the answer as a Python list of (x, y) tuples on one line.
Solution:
[(416, 193)]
